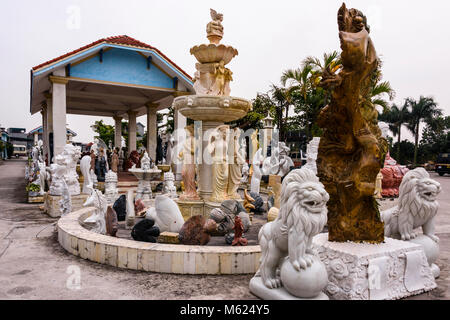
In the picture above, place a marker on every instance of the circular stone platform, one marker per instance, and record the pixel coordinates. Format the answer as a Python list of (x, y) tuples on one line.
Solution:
[(155, 257)]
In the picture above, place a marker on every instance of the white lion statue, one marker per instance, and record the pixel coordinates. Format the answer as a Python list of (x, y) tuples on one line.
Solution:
[(303, 214), (416, 207)]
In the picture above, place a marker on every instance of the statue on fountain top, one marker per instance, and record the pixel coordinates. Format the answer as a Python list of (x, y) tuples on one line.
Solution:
[(146, 162), (214, 29)]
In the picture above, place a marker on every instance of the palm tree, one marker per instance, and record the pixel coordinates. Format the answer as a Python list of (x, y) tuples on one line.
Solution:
[(396, 117), (423, 110), (303, 90)]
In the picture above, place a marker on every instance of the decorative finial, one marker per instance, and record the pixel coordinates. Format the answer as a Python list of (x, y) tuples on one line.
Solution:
[(214, 29)]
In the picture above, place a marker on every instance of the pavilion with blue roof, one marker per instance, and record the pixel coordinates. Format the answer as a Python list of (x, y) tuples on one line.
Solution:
[(119, 77)]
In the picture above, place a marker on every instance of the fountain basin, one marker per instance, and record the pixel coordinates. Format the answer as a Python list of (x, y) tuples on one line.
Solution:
[(212, 108), (210, 53), (153, 174)]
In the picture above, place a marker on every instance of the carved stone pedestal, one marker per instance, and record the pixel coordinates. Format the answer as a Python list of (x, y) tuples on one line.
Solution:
[(51, 204), (190, 208), (361, 271)]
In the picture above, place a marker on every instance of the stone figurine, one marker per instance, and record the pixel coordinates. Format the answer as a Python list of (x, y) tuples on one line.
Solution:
[(245, 172), (58, 171), (197, 231), (287, 256), (238, 228), (218, 148), (85, 167), (311, 154), (146, 162), (169, 186), (145, 231), (225, 215), (115, 161), (235, 165), (257, 163), (111, 190), (351, 149), (72, 154), (98, 218), (166, 214), (188, 170), (214, 29)]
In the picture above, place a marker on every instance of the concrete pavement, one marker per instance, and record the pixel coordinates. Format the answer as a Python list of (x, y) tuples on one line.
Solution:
[(34, 266)]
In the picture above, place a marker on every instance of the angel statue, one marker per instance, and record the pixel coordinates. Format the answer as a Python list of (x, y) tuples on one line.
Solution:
[(214, 29), (218, 148), (223, 76)]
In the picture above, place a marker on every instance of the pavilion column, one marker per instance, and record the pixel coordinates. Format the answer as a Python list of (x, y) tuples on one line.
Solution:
[(131, 131), (152, 126), (59, 113), (44, 128), (180, 122), (49, 124), (118, 132)]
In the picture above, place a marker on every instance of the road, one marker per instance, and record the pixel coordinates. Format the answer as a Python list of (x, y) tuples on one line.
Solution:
[(34, 266)]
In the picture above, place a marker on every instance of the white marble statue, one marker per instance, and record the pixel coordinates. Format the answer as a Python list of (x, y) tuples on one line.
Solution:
[(98, 218), (130, 217), (166, 214), (72, 154), (312, 150), (146, 162), (58, 171), (169, 186), (417, 208), (245, 172), (111, 191), (235, 164), (85, 168), (287, 256), (384, 127), (257, 163), (42, 177), (95, 146), (218, 148), (65, 204)]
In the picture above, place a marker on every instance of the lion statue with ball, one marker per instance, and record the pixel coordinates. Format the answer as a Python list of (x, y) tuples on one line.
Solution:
[(303, 214), (417, 207)]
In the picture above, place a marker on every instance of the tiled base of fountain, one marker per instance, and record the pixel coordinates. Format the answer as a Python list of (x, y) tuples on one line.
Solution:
[(361, 271)]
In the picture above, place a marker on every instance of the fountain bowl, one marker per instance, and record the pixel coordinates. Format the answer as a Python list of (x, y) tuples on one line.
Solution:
[(152, 174), (211, 53), (212, 108)]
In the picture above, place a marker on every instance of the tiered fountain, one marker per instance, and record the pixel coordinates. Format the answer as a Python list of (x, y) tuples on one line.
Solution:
[(212, 104), (145, 174)]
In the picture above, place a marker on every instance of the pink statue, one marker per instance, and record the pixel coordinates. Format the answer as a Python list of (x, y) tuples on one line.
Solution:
[(188, 170), (392, 176)]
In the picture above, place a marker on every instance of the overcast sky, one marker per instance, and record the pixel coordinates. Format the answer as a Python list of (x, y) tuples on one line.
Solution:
[(411, 37)]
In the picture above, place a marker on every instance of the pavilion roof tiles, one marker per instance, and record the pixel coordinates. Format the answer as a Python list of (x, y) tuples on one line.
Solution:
[(120, 40)]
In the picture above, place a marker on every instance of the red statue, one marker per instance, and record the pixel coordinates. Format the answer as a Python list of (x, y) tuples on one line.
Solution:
[(133, 158), (238, 231), (392, 176)]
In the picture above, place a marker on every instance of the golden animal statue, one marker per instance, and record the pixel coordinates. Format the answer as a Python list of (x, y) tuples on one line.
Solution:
[(351, 150)]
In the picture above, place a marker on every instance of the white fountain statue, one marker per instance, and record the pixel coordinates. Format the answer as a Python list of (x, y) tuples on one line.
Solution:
[(145, 174), (213, 105)]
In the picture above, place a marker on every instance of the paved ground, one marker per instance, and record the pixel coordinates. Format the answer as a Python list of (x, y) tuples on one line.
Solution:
[(34, 266)]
